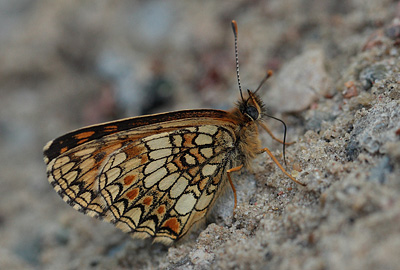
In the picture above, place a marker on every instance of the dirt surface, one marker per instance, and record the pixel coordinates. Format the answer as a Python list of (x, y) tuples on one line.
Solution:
[(66, 64)]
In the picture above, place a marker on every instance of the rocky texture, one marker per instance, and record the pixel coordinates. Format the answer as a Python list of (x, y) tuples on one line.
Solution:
[(308, 83)]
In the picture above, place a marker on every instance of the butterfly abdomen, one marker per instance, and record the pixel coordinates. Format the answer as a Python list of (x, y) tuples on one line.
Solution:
[(248, 144)]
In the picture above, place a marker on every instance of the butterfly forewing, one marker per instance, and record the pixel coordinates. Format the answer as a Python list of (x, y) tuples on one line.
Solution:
[(150, 176)]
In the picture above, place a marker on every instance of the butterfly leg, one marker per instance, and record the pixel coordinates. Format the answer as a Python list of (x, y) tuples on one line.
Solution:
[(265, 127), (280, 166), (228, 172)]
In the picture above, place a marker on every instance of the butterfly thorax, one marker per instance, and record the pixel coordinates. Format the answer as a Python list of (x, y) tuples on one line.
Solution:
[(246, 114)]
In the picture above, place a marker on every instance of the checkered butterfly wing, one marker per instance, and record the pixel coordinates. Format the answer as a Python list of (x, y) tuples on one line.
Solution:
[(149, 176)]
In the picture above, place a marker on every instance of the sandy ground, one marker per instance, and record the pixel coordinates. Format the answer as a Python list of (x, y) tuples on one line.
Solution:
[(66, 64)]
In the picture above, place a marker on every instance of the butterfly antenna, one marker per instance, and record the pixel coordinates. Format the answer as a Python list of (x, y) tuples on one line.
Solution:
[(269, 74), (235, 33), (284, 136)]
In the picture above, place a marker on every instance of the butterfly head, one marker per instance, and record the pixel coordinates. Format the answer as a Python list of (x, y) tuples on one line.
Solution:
[(252, 107)]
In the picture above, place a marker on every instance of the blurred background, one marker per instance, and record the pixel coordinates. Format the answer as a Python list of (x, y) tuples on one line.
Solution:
[(67, 64)]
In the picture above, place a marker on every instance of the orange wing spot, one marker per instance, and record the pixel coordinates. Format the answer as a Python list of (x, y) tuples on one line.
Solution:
[(161, 209), (132, 194), (110, 128), (203, 184), (83, 141), (134, 151), (197, 155), (195, 179), (193, 171), (63, 150), (144, 159), (148, 200), (188, 140), (173, 224), (129, 179), (178, 163), (84, 135), (216, 179)]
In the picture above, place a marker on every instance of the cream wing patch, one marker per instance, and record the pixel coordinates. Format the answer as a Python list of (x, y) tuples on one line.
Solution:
[(185, 204)]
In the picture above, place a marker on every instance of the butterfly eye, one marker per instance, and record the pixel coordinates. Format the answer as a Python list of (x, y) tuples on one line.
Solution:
[(252, 112)]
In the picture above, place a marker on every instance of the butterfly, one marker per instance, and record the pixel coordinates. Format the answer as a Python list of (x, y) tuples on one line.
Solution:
[(157, 175)]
